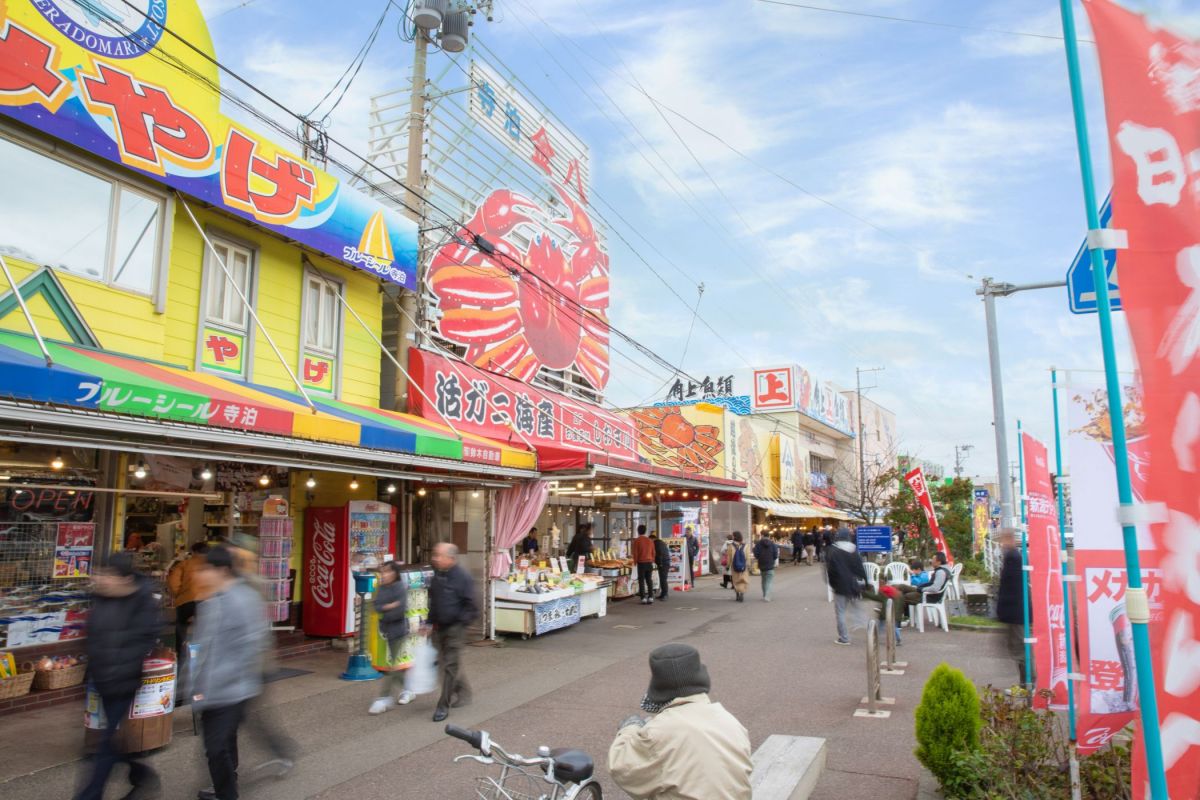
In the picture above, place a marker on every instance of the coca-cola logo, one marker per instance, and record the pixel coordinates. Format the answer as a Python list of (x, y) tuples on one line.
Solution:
[(321, 562)]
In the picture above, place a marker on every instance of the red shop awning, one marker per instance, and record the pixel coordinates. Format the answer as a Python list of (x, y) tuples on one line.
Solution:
[(562, 463)]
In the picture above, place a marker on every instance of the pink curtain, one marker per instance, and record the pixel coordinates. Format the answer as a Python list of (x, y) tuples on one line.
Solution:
[(517, 508)]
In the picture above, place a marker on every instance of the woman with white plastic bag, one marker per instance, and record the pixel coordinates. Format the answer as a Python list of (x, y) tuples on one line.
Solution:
[(391, 603)]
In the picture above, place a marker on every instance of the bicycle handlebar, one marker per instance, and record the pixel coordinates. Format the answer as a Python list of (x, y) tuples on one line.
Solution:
[(473, 738)]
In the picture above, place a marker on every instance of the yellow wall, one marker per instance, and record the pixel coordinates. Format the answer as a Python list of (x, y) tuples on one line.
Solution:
[(127, 323)]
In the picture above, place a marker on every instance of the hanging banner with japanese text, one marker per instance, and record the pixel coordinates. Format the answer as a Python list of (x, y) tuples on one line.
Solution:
[(1045, 578), (114, 79), (1106, 698), (503, 409), (916, 481), (981, 519), (1151, 77)]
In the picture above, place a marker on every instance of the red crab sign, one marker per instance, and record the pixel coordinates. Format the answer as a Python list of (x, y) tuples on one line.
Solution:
[(523, 308)]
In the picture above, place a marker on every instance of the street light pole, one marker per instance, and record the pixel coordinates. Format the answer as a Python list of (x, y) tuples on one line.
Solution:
[(990, 290), (964, 449), (862, 459)]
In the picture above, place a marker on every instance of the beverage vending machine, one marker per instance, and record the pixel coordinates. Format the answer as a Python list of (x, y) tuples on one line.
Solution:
[(360, 535)]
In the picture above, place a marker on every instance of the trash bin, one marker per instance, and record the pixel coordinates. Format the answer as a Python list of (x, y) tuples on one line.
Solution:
[(149, 724)]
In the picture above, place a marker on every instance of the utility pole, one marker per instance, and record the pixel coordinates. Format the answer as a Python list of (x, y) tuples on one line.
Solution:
[(960, 450), (989, 291), (406, 329), (862, 459)]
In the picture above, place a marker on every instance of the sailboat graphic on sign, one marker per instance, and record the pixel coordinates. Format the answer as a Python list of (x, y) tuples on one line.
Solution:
[(376, 241)]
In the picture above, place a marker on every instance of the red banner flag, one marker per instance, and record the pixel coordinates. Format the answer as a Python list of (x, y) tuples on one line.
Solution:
[(1151, 79), (1045, 578), (916, 481)]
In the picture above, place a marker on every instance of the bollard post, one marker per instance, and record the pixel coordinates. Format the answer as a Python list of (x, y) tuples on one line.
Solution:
[(874, 696), (890, 665)]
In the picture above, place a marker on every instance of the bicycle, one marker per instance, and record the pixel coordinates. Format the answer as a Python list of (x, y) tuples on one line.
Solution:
[(560, 774)]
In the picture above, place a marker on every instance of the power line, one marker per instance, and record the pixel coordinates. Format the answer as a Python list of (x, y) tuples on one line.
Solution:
[(911, 21), (355, 64)]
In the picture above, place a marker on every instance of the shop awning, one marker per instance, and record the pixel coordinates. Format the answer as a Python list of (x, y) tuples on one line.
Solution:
[(230, 411), (566, 464), (779, 508)]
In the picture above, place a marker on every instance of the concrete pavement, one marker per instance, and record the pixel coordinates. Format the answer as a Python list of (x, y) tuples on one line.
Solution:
[(773, 665)]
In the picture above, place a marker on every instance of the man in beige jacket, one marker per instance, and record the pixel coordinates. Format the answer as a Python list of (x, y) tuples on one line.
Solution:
[(692, 748)]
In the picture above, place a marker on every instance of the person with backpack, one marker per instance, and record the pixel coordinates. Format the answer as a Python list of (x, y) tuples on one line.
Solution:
[(766, 553), (739, 565), (847, 578)]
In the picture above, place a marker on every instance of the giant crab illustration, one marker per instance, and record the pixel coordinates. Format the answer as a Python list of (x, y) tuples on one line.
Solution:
[(751, 460), (518, 312), (671, 441)]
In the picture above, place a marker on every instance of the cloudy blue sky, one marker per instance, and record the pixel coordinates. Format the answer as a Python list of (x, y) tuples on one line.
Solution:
[(852, 179)]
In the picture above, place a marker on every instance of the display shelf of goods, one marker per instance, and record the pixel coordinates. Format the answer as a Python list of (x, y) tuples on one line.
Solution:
[(274, 559)]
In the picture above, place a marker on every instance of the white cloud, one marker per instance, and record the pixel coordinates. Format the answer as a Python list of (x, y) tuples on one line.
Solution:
[(940, 169), (1046, 24)]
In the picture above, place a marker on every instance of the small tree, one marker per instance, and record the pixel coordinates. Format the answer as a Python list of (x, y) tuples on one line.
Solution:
[(947, 722), (880, 479)]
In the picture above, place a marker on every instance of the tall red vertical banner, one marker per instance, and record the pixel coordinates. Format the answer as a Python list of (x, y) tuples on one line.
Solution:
[(916, 481), (1151, 78), (1045, 578)]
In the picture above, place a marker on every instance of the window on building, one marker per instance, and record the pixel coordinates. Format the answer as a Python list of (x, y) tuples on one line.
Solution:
[(322, 314), (60, 215), (225, 305), (226, 322)]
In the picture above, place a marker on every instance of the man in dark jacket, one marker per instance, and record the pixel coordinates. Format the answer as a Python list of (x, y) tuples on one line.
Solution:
[(452, 607), (766, 553), (798, 539), (123, 625), (693, 555), (1010, 601), (847, 577), (662, 560), (530, 543)]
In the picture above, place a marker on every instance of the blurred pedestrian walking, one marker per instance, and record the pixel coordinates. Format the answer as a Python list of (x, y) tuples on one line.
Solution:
[(231, 637), (184, 585), (1010, 601), (645, 558), (847, 578), (739, 565), (452, 607), (391, 602), (766, 553), (123, 625)]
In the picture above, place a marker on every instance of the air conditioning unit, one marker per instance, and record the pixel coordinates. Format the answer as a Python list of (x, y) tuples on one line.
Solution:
[(454, 31), (428, 14)]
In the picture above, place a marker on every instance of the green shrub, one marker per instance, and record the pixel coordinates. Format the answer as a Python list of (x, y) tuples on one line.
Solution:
[(1023, 753), (948, 723)]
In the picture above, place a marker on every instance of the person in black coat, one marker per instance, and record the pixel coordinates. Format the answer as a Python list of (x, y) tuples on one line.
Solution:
[(452, 607), (580, 545), (847, 577), (123, 626), (662, 561), (1010, 600), (798, 539)]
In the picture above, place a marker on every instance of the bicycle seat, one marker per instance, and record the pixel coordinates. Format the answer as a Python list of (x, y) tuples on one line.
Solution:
[(572, 765)]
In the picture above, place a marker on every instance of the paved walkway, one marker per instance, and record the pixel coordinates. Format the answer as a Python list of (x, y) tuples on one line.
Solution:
[(774, 665)]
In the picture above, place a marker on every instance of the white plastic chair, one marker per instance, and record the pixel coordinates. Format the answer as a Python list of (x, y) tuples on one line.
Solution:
[(897, 572), (872, 574), (954, 585), (936, 610)]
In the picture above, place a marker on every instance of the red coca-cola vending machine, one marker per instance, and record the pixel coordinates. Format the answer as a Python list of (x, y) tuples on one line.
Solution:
[(337, 542)]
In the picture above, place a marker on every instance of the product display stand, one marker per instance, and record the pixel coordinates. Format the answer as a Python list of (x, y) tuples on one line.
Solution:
[(274, 560)]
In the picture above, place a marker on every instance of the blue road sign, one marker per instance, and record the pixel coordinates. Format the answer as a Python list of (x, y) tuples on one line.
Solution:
[(874, 538), (1081, 289)]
